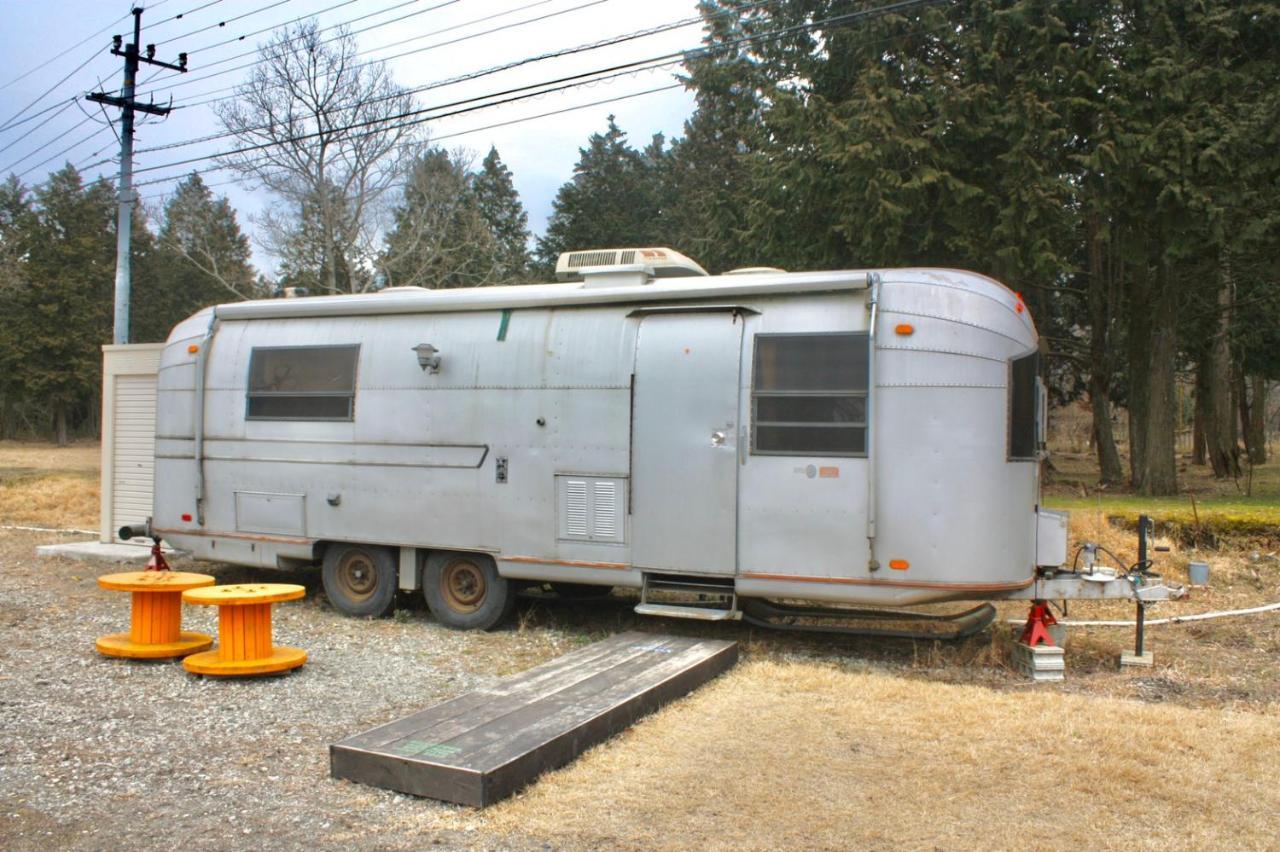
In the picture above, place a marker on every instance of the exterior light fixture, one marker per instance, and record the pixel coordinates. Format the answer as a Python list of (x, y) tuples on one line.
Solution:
[(428, 357)]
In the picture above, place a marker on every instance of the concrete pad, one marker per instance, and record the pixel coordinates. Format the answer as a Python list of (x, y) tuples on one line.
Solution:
[(97, 551), (1129, 659)]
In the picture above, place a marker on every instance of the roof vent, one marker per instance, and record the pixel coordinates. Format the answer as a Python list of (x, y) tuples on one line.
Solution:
[(625, 265), (754, 270)]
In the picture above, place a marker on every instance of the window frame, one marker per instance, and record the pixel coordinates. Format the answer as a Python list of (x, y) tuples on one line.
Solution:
[(1032, 403), (250, 394), (757, 394)]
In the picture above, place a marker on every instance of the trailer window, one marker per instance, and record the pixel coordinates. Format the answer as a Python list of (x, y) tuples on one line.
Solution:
[(809, 395), (1023, 405), (302, 383)]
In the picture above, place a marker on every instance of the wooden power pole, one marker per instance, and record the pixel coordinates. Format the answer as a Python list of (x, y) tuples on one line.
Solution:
[(128, 106)]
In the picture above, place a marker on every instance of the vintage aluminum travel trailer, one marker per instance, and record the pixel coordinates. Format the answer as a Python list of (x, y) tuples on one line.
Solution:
[(851, 437)]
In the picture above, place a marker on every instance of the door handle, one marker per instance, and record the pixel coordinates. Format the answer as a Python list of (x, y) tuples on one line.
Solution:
[(717, 438)]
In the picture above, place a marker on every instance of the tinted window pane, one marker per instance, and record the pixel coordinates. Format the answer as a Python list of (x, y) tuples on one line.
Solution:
[(1022, 406), (320, 368), (302, 383), (811, 409), (300, 407), (809, 440), (811, 362)]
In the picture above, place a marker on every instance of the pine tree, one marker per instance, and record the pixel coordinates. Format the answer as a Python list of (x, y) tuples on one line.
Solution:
[(63, 305), (440, 237), (608, 203), (499, 204)]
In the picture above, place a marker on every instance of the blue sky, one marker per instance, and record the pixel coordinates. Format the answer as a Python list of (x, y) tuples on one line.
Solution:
[(541, 153)]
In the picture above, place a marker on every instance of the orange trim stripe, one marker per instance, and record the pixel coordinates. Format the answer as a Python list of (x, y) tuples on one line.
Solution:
[(572, 563), (904, 584)]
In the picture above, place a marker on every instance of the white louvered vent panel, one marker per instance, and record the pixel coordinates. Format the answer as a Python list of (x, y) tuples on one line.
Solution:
[(605, 519), (575, 509), (133, 460), (591, 508)]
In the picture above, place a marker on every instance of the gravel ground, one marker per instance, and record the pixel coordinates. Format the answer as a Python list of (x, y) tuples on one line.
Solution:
[(103, 753), (97, 753)]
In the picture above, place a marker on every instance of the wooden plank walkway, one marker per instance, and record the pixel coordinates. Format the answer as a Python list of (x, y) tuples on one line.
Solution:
[(483, 746)]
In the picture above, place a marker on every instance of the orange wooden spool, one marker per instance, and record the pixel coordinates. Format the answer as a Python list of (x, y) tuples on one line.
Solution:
[(244, 630), (155, 626)]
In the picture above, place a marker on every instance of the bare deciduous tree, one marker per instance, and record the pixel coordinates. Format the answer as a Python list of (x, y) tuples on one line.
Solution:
[(326, 141)]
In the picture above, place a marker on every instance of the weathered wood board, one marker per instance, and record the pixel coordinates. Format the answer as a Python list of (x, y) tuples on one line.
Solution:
[(483, 746)]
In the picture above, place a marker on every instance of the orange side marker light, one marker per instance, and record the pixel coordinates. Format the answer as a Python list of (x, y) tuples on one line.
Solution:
[(905, 329), (193, 349), (899, 564)]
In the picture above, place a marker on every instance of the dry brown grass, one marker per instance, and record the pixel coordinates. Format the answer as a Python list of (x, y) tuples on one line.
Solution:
[(80, 457), (47, 485), (780, 754)]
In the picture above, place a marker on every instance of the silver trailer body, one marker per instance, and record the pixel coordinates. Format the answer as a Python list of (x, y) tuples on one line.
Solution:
[(851, 436)]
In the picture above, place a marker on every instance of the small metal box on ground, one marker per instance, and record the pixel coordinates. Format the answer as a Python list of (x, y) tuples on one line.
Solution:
[(483, 746)]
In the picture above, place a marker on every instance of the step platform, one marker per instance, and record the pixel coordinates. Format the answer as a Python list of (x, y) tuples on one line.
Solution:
[(483, 746)]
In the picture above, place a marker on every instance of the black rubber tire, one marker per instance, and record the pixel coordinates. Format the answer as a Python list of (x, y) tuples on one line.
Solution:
[(360, 579), (580, 591), (465, 592)]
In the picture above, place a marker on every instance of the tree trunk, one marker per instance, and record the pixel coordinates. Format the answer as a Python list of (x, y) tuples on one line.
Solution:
[(1197, 425), (1255, 421), (1139, 376), (1218, 414), (1109, 469), (1153, 403), (60, 424)]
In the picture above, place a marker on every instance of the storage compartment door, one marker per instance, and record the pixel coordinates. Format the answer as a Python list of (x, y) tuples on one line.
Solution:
[(684, 450)]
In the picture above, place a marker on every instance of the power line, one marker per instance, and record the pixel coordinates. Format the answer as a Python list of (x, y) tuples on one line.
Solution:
[(11, 122), (835, 20), (41, 148), (454, 135), (58, 56), (250, 13), (629, 68), (475, 75), (53, 157), (395, 20)]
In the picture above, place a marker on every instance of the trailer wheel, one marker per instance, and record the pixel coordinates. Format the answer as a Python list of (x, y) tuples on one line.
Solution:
[(360, 579), (465, 592)]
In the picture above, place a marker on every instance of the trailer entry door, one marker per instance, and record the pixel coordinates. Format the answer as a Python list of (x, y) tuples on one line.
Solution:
[(684, 446)]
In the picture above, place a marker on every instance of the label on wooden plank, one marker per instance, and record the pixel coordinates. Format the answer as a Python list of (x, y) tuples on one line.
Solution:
[(483, 746)]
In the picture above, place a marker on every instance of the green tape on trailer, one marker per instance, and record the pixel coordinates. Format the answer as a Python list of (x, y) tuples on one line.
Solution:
[(502, 326)]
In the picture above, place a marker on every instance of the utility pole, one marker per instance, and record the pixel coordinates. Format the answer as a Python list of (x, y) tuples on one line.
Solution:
[(128, 106)]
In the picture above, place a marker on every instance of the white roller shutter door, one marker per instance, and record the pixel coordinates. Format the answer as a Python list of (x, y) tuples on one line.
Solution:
[(134, 452)]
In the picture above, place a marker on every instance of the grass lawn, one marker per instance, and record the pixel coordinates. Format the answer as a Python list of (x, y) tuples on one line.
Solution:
[(1207, 507)]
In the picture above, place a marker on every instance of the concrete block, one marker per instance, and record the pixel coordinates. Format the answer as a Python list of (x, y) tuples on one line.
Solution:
[(1043, 662), (1144, 660)]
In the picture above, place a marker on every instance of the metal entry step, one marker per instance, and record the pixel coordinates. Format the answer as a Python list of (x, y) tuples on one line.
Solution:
[(702, 598)]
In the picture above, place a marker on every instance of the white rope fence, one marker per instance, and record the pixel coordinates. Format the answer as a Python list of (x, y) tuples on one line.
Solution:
[(1176, 619)]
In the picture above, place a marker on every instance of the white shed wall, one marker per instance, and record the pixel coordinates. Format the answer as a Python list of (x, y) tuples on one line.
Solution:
[(128, 434)]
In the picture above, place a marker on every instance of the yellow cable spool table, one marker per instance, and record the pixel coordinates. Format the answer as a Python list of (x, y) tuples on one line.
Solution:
[(244, 630), (155, 629)]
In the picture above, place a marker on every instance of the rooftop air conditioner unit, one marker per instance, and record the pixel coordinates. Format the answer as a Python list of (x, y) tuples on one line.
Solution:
[(644, 264)]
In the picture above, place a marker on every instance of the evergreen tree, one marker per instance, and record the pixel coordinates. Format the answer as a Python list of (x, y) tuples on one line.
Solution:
[(440, 237), (500, 207), (608, 203), (61, 309)]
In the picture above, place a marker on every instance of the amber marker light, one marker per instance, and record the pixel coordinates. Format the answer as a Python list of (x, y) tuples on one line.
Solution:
[(899, 564), (193, 349), (904, 328)]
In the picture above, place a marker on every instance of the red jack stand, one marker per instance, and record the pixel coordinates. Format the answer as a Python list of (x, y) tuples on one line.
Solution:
[(157, 561), (1036, 630)]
